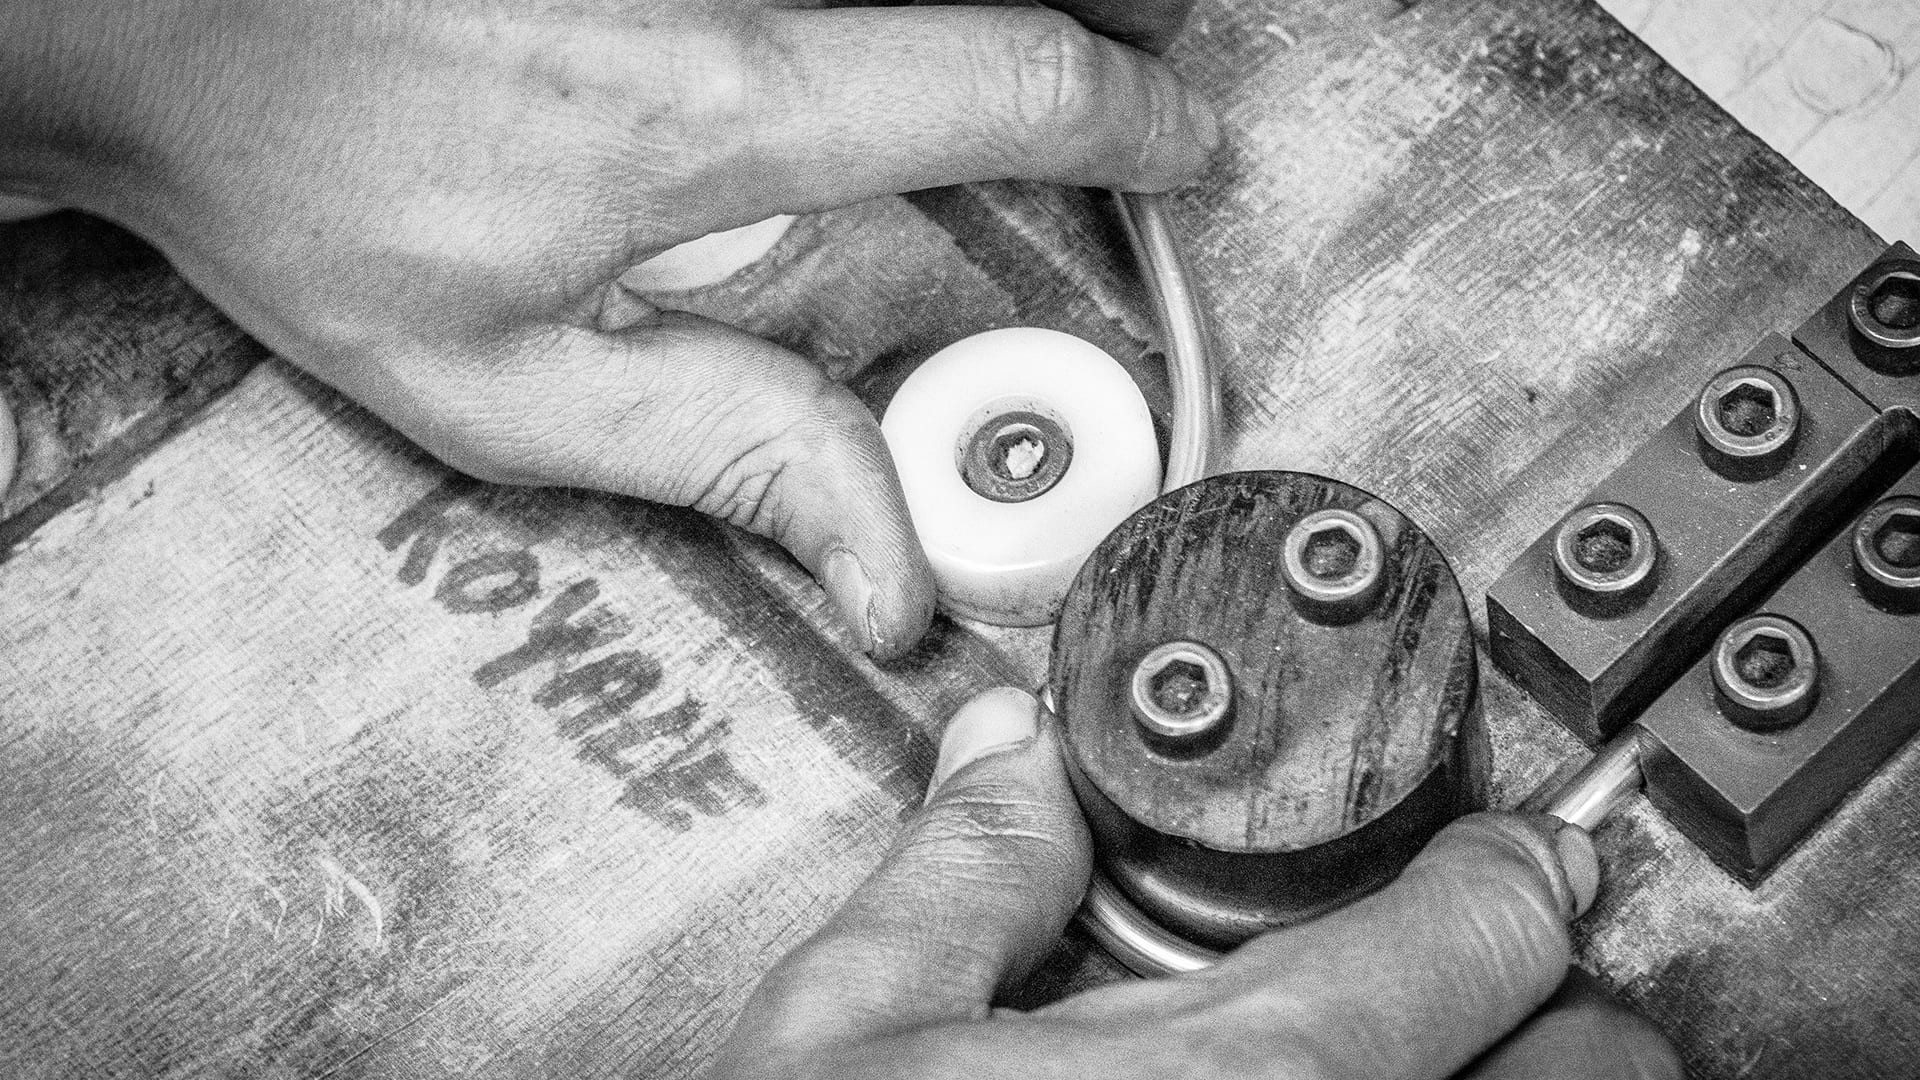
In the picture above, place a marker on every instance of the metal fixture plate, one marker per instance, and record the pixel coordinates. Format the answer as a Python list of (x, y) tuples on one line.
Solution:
[(1748, 797)]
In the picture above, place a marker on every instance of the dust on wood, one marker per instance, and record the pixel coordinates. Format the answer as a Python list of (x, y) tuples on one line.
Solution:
[(1463, 254)]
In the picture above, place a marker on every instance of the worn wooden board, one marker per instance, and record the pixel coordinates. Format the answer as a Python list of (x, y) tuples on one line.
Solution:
[(324, 762), (103, 352)]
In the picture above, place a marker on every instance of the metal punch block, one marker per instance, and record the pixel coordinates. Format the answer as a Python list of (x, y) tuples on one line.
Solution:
[(1601, 613), (1800, 701)]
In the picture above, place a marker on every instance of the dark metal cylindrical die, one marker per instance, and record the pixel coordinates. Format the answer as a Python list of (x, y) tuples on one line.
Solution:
[(1344, 739)]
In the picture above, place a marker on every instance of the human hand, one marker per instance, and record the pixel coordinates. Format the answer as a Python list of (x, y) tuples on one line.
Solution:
[(1461, 964), (429, 205)]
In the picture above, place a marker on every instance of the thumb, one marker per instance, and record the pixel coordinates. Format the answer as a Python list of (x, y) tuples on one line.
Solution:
[(679, 409), (1421, 977), (980, 885)]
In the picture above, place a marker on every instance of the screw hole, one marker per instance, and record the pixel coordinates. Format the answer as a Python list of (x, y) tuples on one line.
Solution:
[(1604, 546), (1748, 410), (1179, 687), (1018, 453), (1765, 662), (1331, 554), (1895, 302), (1898, 541)]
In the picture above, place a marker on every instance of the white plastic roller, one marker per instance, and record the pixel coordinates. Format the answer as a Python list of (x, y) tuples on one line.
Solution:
[(1019, 450)]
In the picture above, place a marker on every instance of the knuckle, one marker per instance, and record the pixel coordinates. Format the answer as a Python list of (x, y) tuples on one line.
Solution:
[(742, 494), (993, 831), (722, 71), (1058, 75), (1001, 827), (747, 484)]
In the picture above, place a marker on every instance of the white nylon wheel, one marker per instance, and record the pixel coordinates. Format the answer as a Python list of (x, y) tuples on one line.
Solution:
[(995, 407), (709, 259)]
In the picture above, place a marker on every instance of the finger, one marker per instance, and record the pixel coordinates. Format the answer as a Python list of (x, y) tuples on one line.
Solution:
[(1421, 977), (1581, 1033), (880, 100), (1145, 24), (690, 412), (981, 883)]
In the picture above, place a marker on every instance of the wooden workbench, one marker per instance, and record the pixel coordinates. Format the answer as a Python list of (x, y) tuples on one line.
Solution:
[(303, 775)]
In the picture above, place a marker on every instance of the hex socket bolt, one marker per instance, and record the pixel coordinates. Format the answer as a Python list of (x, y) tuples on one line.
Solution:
[(1334, 558), (1767, 672), (1605, 550), (1885, 308), (1016, 456), (1886, 552), (1747, 417), (1181, 690)]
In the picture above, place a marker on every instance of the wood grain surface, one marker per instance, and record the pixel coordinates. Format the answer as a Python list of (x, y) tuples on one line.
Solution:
[(322, 761), (103, 352)]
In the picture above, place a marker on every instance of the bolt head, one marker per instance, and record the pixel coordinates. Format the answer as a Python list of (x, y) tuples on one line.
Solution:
[(1747, 416), (1181, 690), (1766, 670), (1605, 549), (1886, 552), (1334, 559), (1885, 306)]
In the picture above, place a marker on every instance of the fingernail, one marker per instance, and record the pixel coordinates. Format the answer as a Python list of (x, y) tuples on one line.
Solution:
[(995, 720), (846, 582), (1580, 864)]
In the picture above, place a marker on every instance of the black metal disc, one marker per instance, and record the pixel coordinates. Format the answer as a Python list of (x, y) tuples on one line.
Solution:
[(1352, 734)]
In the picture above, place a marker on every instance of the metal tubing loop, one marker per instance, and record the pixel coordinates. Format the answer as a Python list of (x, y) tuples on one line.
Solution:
[(1120, 927), (1132, 938), (1190, 376)]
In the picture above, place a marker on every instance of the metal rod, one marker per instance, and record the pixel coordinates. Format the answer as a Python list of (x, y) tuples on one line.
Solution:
[(1597, 789), (1190, 377)]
